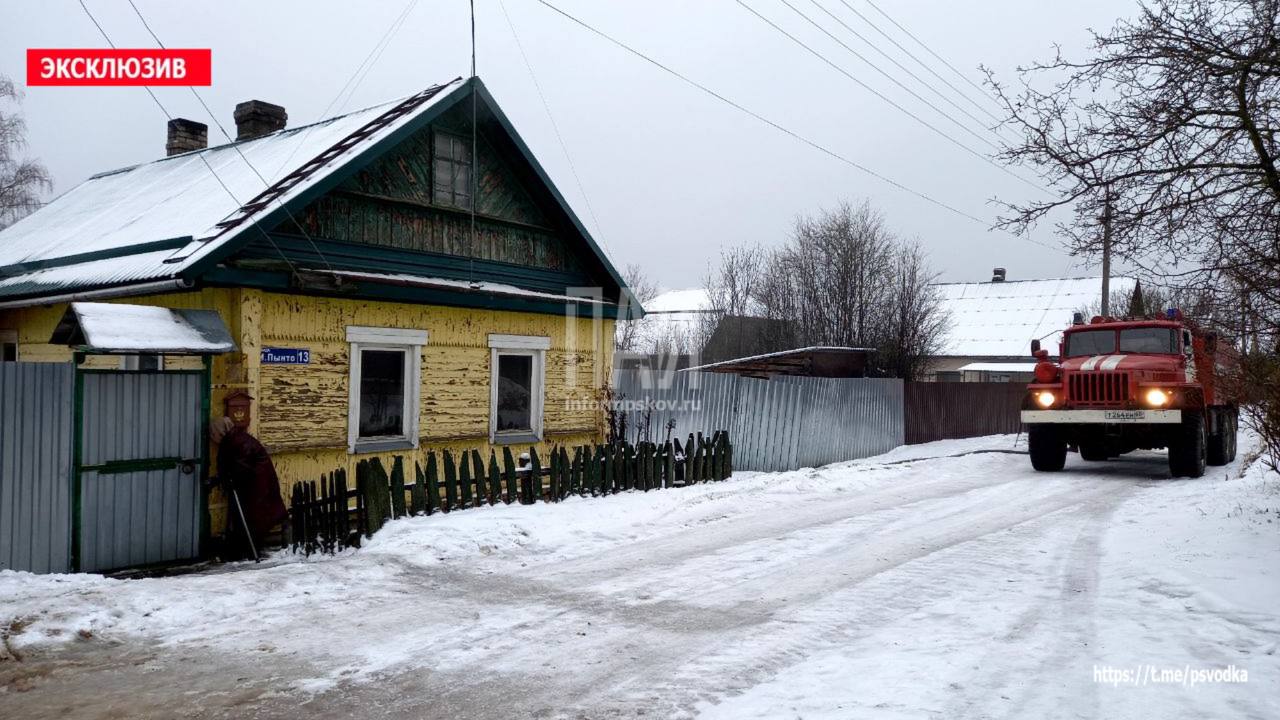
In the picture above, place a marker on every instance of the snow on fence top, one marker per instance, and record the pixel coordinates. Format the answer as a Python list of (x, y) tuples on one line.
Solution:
[(159, 207), (1000, 319)]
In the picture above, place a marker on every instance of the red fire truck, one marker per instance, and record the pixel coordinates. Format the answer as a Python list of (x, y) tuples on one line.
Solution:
[(1131, 383)]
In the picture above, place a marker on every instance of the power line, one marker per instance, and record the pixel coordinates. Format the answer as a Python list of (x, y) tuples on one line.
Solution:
[(880, 95), (554, 125), (906, 70), (922, 63), (236, 146), (378, 48), (205, 160), (760, 117), (875, 67), (376, 54), (793, 134), (927, 49), (475, 156)]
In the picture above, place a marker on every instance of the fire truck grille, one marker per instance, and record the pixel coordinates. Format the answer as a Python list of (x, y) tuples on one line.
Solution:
[(1098, 388)]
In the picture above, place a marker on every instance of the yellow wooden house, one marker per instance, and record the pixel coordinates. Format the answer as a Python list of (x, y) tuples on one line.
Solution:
[(399, 279)]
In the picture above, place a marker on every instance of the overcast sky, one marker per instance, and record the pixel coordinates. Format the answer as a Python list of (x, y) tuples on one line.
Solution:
[(670, 175)]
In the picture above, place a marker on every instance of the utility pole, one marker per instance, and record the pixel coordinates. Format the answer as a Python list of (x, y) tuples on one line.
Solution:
[(1106, 255)]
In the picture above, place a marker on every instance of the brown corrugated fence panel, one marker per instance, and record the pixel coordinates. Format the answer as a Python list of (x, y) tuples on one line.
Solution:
[(945, 410)]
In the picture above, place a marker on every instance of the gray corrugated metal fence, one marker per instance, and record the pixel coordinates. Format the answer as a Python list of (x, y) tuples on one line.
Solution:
[(35, 466), (780, 424), (138, 515)]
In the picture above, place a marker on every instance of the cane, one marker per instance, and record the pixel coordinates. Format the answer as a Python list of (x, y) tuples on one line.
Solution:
[(244, 523)]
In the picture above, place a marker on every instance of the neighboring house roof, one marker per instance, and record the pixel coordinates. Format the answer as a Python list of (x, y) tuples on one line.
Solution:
[(693, 300), (670, 318), (1014, 367), (170, 219), (814, 361), (1000, 319)]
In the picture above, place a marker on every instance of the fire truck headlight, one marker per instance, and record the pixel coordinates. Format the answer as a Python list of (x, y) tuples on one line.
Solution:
[(1157, 398), (1045, 399)]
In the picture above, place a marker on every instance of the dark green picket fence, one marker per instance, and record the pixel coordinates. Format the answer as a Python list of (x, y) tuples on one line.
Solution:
[(328, 515)]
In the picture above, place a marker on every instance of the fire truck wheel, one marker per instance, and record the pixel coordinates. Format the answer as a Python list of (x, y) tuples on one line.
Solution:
[(1093, 451), (1048, 448), (1231, 436), (1222, 444), (1187, 449)]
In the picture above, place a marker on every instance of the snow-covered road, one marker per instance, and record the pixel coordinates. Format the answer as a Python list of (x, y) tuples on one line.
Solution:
[(922, 583)]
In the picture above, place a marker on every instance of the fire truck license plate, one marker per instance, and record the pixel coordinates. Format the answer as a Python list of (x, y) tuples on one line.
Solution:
[(1123, 415)]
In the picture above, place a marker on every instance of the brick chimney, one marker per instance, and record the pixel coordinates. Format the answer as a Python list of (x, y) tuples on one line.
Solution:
[(185, 136), (255, 118), (997, 275)]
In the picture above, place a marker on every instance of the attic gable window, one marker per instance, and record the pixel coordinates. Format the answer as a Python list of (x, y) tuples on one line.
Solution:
[(451, 170)]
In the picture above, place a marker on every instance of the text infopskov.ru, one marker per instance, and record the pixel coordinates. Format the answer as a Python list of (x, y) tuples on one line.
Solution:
[(1143, 674), (637, 405)]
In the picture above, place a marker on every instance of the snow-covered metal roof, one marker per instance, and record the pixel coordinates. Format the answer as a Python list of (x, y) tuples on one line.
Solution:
[(1000, 367), (1000, 319), (121, 328), (157, 219), (783, 354), (672, 319)]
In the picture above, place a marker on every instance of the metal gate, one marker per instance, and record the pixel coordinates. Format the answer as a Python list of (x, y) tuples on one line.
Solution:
[(35, 466), (139, 467)]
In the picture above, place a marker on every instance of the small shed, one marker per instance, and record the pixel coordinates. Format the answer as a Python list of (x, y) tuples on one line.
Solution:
[(816, 361)]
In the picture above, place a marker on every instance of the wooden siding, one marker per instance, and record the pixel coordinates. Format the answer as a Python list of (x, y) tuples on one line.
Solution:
[(401, 225), (389, 204), (455, 369), (300, 411)]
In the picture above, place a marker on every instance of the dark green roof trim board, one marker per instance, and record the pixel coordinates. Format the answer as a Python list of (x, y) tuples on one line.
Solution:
[(279, 214), (373, 290), (139, 249), (373, 258)]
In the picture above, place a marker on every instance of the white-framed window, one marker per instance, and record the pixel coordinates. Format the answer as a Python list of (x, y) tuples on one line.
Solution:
[(8, 346), (386, 374), (149, 361), (517, 379)]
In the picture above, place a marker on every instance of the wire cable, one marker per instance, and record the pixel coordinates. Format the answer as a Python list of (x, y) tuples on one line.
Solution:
[(217, 177), (930, 50), (886, 75), (236, 146), (378, 48), (786, 131), (564, 148), (922, 63), (475, 155), (941, 95), (880, 95)]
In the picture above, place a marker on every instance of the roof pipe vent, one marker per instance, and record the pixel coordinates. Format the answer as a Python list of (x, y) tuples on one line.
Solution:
[(255, 118), (185, 136), (997, 275)]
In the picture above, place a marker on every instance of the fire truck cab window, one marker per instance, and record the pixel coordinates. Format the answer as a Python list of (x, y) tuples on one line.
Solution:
[(1148, 340), (1091, 342)]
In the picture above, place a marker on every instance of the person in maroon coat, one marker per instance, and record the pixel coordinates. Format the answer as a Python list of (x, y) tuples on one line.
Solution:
[(243, 464)]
